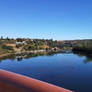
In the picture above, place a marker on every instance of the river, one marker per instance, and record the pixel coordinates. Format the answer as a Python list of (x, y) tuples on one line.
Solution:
[(68, 70)]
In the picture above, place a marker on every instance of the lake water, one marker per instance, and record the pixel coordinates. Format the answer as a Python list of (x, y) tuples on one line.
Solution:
[(71, 71)]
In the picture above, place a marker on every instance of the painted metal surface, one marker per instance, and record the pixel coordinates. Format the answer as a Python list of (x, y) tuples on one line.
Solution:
[(12, 82)]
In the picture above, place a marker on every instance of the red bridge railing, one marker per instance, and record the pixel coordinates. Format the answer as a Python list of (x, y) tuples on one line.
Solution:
[(12, 82)]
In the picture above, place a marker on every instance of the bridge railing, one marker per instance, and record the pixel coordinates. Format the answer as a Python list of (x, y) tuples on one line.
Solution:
[(12, 82)]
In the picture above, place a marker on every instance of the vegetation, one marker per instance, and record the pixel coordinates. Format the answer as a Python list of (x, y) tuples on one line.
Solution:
[(20, 45), (5, 49), (85, 46)]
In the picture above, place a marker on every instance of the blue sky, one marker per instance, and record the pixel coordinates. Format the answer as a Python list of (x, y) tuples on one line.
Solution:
[(57, 19)]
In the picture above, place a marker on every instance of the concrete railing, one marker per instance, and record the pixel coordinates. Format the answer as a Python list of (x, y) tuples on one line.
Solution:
[(12, 82)]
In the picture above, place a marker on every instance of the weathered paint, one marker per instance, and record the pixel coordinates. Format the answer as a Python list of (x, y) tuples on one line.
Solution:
[(12, 82)]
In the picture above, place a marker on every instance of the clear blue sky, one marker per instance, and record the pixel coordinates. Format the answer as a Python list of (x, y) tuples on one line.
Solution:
[(57, 19)]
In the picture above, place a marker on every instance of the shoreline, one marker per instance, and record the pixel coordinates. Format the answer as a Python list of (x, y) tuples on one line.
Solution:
[(30, 52)]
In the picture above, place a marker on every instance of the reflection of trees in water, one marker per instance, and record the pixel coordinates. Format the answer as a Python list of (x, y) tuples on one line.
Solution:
[(26, 56), (38, 54), (88, 56), (88, 59), (19, 58), (10, 57)]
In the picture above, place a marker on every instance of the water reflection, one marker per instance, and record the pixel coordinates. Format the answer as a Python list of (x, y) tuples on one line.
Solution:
[(27, 56), (88, 56), (31, 55), (11, 57), (68, 70)]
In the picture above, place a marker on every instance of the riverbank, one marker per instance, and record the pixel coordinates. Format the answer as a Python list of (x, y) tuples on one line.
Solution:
[(31, 52)]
